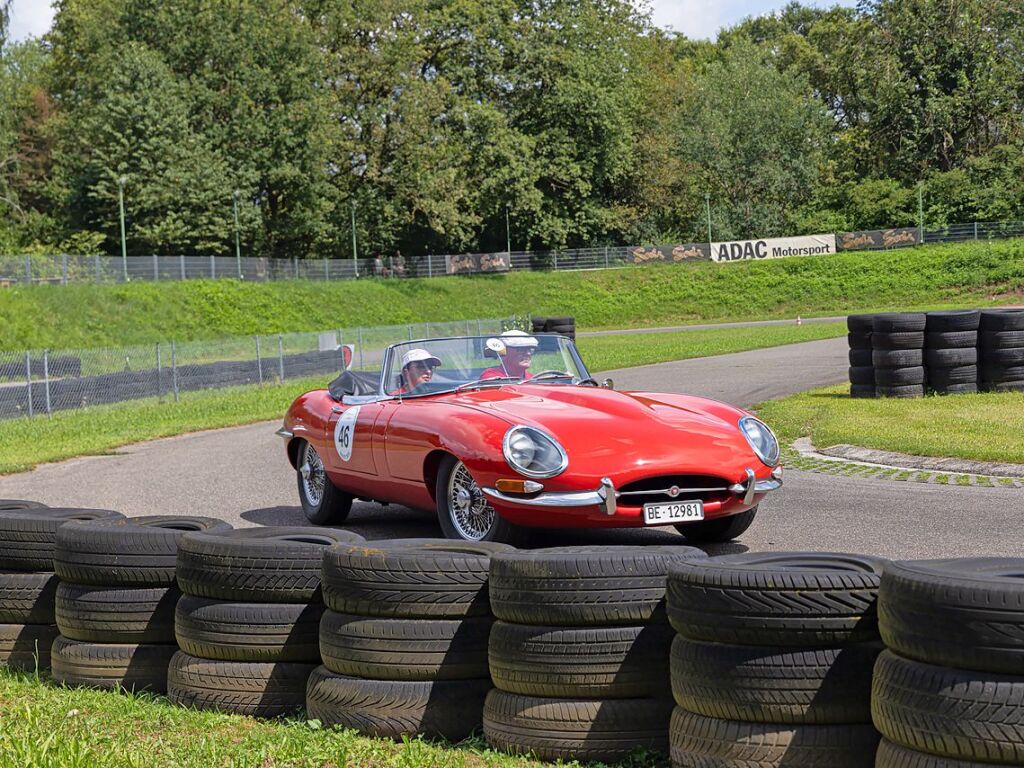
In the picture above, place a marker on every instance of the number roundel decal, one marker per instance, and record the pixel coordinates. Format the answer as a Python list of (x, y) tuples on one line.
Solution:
[(345, 432)]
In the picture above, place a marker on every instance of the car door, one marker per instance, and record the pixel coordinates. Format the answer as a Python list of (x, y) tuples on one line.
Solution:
[(350, 436)]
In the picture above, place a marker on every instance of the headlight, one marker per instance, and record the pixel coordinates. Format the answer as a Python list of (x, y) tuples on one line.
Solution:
[(761, 439), (533, 453)]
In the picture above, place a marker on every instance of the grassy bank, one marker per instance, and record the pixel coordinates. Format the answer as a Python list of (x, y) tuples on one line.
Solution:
[(983, 427), (74, 316), (25, 443)]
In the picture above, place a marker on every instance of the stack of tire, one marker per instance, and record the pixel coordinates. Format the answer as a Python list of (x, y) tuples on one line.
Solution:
[(116, 598), (950, 351), (28, 585), (248, 621), (897, 353), (404, 638), (862, 370), (566, 326), (1001, 350), (579, 656), (773, 661), (949, 691)]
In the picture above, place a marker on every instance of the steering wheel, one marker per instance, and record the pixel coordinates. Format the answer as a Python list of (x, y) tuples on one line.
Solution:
[(552, 374)]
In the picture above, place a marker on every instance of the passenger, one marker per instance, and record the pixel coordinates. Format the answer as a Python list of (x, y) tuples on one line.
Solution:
[(417, 369), (519, 347)]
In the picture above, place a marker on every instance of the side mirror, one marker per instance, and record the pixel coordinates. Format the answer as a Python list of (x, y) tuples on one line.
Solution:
[(608, 384)]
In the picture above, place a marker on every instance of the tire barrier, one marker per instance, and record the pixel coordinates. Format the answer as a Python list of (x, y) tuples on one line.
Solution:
[(946, 352), (248, 621), (116, 599), (28, 584), (566, 326), (950, 688), (404, 638), (579, 656), (773, 659)]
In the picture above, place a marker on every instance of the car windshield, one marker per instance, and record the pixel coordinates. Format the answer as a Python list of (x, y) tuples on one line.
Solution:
[(430, 366)]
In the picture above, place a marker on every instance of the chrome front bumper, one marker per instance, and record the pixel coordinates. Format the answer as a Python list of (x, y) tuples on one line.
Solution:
[(605, 497), (287, 434)]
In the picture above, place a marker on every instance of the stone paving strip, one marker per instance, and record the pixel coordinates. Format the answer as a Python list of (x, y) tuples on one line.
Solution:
[(886, 465)]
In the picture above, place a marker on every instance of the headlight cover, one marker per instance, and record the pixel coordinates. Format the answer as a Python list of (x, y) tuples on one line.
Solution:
[(762, 440), (533, 453)]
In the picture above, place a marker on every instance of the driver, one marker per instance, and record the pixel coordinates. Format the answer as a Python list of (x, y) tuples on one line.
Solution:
[(417, 368), (519, 347)]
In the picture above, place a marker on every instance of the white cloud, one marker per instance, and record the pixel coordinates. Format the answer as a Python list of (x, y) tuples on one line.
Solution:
[(30, 18)]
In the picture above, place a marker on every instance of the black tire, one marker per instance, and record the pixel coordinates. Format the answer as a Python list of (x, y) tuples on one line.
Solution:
[(950, 358), (718, 529), (1008, 357), (115, 614), (581, 662), (257, 689), (966, 613), (897, 358), (259, 632), (951, 340), (323, 503), (28, 536), (1001, 373), (956, 389), (537, 324), (862, 390), (14, 505), (111, 665), (777, 598), (948, 712), (898, 322), (859, 342), (761, 684), (1001, 339), (452, 473), (860, 358), (952, 320), (446, 709), (909, 340), (1002, 320), (860, 323), (405, 649), (26, 647), (962, 374), (894, 756), (259, 565), (862, 376), (575, 729), (410, 578), (1003, 386), (584, 586), (560, 320), (898, 377), (129, 552), (910, 390), (706, 742), (27, 598)]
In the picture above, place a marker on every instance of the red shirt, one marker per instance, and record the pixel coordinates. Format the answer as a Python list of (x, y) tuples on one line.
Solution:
[(499, 373)]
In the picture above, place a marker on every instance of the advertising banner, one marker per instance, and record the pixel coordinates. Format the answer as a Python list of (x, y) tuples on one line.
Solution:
[(879, 238), (670, 253), (467, 263), (773, 248)]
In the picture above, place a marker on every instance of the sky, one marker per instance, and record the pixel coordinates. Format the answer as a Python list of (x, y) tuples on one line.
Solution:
[(697, 19)]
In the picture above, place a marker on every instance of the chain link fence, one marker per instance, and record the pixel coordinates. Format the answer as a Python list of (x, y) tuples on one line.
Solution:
[(41, 382)]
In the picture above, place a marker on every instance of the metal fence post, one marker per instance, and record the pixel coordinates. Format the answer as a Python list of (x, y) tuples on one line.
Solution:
[(28, 381), (360, 347), (181, 263), (259, 359), (280, 356), (46, 378), (97, 258), (479, 328), (28, 268), (156, 268), (295, 265), (327, 271), (554, 255), (410, 333), (606, 257), (64, 269), (213, 267), (174, 369), (430, 266), (159, 374), (975, 230)]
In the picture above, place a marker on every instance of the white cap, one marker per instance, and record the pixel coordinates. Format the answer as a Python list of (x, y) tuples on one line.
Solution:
[(416, 355), (518, 339)]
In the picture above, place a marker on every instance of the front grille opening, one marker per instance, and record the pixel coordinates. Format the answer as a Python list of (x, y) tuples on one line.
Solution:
[(652, 490)]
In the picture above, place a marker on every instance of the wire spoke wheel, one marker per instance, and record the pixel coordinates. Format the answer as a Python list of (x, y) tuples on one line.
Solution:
[(469, 511), (314, 479)]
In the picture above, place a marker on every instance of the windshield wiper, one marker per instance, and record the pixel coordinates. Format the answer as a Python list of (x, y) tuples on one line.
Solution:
[(489, 380)]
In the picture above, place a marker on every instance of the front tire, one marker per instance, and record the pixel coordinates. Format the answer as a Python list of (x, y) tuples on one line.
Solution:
[(715, 531), (322, 502), (463, 511)]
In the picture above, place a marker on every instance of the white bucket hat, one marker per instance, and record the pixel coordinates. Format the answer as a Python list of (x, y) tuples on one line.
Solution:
[(518, 339), (417, 355)]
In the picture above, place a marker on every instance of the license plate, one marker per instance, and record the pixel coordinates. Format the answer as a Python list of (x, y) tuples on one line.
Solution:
[(673, 512)]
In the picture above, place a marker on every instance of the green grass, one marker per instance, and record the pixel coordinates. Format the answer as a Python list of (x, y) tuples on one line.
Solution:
[(982, 427), (46, 726), (80, 316), (24, 442)]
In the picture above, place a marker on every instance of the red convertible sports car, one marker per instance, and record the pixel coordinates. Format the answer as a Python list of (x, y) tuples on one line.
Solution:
[(505, 433)]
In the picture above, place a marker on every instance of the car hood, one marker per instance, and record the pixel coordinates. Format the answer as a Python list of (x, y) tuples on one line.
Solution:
[(600, 428)]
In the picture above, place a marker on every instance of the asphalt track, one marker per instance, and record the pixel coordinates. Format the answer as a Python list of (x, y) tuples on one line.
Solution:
[(240, 475)]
